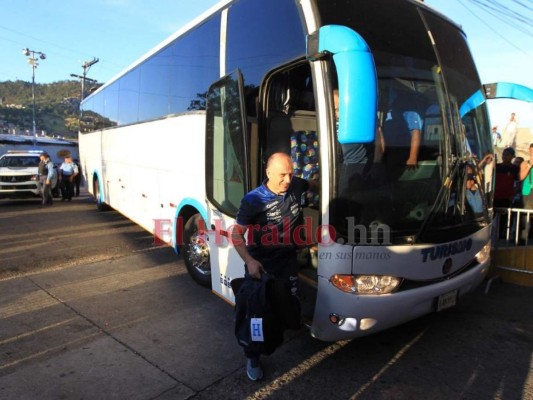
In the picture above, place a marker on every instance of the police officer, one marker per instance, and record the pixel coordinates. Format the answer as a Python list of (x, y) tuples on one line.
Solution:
[(67, 173), (46, 177)]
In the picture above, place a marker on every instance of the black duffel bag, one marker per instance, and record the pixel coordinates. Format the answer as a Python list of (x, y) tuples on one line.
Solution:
[(264, 308)]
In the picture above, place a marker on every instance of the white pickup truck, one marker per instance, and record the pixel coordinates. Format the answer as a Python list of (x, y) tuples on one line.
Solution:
[(19, 175)]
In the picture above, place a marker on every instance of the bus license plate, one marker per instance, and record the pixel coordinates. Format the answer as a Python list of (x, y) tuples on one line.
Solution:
[(447, 300)]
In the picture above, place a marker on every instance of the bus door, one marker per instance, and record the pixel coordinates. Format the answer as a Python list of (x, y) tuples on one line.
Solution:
[(290, 126), (227, 178)]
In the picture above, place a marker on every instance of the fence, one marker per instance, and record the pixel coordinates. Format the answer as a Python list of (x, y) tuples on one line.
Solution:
[(511, 238)]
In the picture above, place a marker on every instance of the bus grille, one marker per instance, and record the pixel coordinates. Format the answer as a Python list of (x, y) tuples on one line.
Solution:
[(409, 284)]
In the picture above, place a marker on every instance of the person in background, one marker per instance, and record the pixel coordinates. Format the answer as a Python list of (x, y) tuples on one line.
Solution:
[(486, 165), (526, 176), (517, 199), (77, 178), (507, 176), (496, 136), (518, 161), (473, 196), (497, 142), (67, 174), (510, 131), (46, 177)]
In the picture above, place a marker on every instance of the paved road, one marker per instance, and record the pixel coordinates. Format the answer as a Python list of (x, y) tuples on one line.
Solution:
[(89, 309), (35, 239)]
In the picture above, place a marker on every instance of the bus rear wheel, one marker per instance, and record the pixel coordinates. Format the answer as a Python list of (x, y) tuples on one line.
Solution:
[(100, 205), (196, 252)]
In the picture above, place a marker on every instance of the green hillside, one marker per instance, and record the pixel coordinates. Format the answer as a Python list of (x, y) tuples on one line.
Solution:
[(56, 107)]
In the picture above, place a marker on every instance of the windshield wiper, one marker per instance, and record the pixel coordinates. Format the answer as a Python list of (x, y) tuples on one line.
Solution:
[(444, 194)]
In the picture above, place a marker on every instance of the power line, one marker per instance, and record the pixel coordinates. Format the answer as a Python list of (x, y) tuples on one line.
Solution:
[(502, 10), (505, 14), (492, 28), (522, 4), (42, 41)]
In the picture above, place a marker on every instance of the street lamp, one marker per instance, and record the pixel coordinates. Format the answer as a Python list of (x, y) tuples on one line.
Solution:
[(32, 60)]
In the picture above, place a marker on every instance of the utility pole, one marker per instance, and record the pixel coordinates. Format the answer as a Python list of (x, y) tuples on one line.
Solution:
[(83, 79), (33, 62), (86, 66)]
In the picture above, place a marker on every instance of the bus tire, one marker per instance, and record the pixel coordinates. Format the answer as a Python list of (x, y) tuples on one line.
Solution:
[(100, 205), (196, 252)]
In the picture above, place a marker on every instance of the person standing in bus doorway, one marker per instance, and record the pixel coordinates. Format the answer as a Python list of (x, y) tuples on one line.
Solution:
[(273, 206), (510, 131), (46, 178), (67, 173)]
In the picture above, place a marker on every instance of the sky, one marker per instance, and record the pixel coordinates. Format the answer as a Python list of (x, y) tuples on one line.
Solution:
[(118, 32)]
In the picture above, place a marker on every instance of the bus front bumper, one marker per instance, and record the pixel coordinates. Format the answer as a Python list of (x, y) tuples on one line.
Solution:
[(339, 315)]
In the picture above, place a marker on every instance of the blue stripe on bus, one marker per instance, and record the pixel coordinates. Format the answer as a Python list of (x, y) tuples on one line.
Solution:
[(188, 201), (100, 198)]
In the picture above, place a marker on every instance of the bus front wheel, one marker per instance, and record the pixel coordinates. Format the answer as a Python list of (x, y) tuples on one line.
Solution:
[(196, 252)]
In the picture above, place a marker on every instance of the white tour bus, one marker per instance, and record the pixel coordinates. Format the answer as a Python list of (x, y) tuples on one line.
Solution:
[(176, 140)]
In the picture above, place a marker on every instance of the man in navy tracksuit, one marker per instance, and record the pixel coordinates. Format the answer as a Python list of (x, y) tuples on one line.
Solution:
[(270, 213)]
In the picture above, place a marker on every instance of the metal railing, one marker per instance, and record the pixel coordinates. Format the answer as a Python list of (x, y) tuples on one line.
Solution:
[(511, 228)]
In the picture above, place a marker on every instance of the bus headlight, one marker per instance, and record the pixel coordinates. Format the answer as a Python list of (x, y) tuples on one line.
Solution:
[(484, 254), (365, 284)]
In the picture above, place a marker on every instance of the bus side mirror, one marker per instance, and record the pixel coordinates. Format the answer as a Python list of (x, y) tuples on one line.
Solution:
[(357, 80)]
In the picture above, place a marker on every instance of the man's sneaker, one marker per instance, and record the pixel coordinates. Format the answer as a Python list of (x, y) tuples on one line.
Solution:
[(253, 369)]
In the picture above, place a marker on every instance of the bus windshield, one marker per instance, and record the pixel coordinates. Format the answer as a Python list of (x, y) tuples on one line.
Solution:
[(426, 172)]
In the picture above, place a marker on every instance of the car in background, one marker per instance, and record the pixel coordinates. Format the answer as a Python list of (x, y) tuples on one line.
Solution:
[(19, 174)]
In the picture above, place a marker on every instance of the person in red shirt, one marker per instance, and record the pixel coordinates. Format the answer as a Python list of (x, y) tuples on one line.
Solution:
[(507, 179), (507, 174)]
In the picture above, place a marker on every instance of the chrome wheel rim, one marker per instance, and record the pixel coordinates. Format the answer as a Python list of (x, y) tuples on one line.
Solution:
[(198, 254)]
